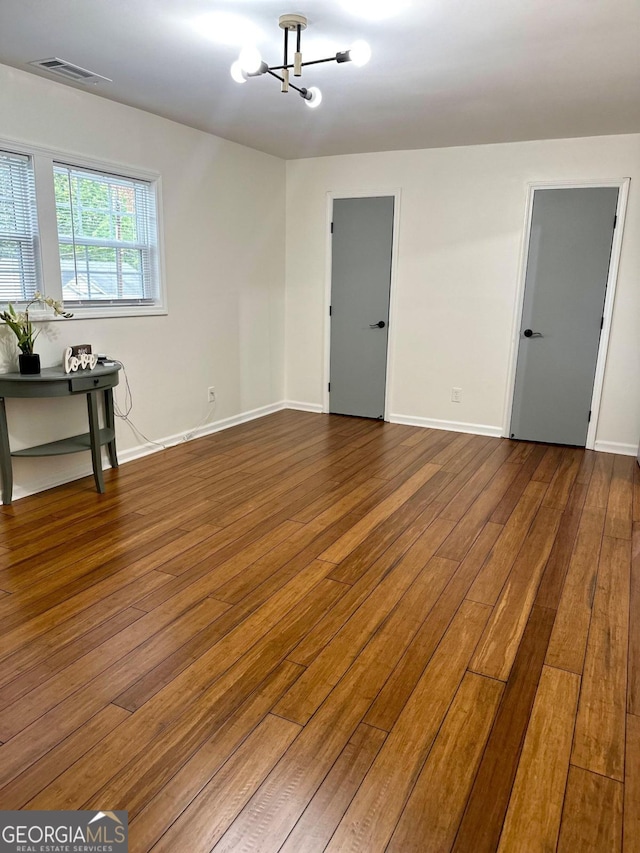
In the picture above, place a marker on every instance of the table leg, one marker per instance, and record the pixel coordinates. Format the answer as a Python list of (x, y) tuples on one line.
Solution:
[(94, 436), (109, 420), (6, 471)]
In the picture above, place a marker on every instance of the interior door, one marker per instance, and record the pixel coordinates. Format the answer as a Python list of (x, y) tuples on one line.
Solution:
[(567, 269), (360, 282)]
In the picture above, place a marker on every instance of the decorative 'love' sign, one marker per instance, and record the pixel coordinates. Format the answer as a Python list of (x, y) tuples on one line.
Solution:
[(78, 362)]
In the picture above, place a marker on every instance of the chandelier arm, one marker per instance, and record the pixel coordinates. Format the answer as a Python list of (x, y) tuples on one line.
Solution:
[(310, 62), (318, 61), (281, 79), (297, 58)]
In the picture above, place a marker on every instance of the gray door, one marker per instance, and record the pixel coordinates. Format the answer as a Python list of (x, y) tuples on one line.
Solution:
[(566, 279), (360, 282)]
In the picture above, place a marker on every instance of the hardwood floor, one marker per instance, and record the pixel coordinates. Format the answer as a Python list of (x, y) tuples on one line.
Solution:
[(314, 633)]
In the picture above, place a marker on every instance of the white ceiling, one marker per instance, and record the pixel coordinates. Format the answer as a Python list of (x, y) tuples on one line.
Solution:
[(443, 72)]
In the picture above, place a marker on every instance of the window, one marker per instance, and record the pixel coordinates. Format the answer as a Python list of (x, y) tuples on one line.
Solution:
[(107, 237), (82, 232), (18, 228)]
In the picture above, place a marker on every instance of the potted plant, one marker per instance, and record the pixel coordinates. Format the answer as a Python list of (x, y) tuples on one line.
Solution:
[(22, 326)]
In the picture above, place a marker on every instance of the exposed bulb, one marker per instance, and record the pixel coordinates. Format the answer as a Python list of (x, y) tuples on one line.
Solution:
[(360, 53), (314, 97), (250, 60), (237, 72)]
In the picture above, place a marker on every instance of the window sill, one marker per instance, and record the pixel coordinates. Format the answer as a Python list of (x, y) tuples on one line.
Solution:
[(105, 312)]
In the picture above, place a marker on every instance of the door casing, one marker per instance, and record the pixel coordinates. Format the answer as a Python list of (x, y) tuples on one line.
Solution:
[(370, 193), (623, 186)]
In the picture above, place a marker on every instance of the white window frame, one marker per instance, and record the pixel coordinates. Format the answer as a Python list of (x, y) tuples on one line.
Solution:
[(50, 282), (28, 240)]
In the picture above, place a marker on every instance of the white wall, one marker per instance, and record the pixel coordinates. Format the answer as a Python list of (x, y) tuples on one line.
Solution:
[(460, 234), (461, 222), (223, 209)]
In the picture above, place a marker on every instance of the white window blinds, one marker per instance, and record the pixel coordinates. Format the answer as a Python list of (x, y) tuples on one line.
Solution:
[(107, 235), (18, 228)]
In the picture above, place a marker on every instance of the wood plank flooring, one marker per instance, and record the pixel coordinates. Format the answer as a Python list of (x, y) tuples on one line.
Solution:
[(312, 633)]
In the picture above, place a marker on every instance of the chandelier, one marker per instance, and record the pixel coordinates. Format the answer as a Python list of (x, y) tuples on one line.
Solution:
[(251, 64)]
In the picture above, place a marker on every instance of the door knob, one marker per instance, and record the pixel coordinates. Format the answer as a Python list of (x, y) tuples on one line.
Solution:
[(380, 325), (529, 334)]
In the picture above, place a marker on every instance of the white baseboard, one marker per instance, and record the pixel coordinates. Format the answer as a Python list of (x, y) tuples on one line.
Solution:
[(451, 426), (616, 447), (200, 432), (303, 407), (146, 449), (51, 482)]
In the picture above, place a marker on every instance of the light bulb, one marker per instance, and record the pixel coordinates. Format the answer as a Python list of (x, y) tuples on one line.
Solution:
[(250, 60), (316, 97), (360, 53), (238, 74)]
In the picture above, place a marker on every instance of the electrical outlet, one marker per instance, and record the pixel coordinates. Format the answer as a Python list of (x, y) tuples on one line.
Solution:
[(456, 395), (211, 395)]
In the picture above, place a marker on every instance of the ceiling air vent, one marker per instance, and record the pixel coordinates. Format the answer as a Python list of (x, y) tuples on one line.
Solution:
[(65, 69)]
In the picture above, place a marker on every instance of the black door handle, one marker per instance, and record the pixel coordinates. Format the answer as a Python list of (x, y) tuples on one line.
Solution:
[(380, 325), (530, 334)]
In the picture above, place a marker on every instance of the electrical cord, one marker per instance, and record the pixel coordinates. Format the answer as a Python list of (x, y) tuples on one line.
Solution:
[(128, 397), (128, 406), (189, 435)]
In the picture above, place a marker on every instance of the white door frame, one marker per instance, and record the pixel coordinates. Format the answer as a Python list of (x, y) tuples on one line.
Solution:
[(331, 196), (623, 186)]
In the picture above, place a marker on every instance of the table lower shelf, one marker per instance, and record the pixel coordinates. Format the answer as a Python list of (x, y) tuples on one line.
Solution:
[(74, 444)]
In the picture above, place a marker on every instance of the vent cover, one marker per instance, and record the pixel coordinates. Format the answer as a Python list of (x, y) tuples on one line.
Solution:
[(68, 70)]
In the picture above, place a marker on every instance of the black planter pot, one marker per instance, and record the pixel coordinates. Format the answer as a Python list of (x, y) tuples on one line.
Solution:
[(29, 363)]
